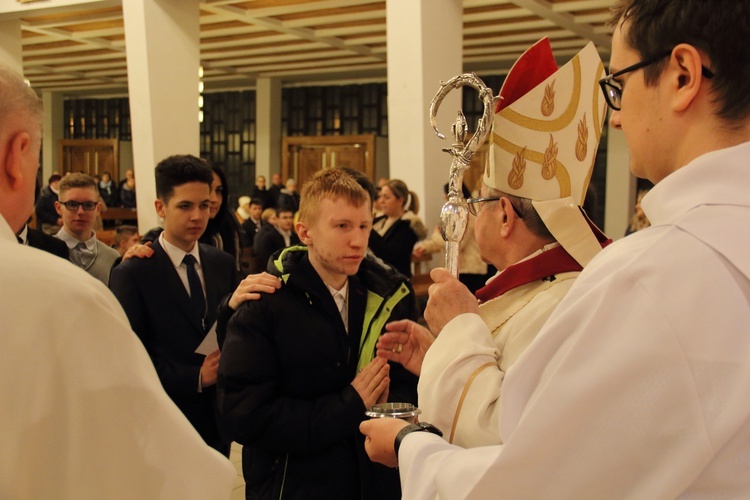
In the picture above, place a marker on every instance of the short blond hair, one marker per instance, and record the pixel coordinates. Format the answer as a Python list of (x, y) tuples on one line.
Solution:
[(331, 183), (77, 180)]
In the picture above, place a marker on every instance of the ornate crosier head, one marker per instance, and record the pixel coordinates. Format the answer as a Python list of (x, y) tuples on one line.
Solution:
[(454, 216)]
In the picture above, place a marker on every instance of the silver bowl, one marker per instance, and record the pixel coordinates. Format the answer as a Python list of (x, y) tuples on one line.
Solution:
[(404, 411)]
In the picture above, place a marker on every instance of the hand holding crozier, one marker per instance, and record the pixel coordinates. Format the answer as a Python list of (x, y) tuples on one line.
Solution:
[(448, 298)]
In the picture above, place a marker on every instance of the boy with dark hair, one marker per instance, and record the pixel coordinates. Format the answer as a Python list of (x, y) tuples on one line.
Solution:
[(125, 237), (253, 223), (47, 217), (171, 298), (298, 368), (271, 238)]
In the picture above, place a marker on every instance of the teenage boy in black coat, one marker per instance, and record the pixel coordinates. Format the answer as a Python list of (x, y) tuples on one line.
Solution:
[(298, 367)]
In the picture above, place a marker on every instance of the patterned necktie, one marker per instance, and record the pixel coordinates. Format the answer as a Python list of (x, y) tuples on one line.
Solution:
[(82, 256), (197, 299)]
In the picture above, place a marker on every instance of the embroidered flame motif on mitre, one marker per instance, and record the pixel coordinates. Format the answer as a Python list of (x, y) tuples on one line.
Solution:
[(582, 141), (515, 176), (549, 162), (548, 102)]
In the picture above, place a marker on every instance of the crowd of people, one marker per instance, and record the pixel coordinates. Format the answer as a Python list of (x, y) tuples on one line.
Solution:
[(582, 369)]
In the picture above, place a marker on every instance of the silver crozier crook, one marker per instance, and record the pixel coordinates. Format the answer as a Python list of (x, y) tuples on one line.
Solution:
[(454, 215)]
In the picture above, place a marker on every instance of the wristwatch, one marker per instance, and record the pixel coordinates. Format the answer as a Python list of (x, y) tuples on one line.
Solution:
[(418, 427)]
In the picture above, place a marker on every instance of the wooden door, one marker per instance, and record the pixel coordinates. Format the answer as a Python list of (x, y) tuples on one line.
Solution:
[(90, 156), (308, 159), (303, 156), (475, 173), (353, 156)]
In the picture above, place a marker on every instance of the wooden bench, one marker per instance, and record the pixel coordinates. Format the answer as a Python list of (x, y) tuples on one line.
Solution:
[(106, 236)]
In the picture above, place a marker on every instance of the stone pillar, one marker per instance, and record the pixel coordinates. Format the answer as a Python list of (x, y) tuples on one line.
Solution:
[(267, 127), (424, 48), (53, 129), (163, 54), (621, 186)]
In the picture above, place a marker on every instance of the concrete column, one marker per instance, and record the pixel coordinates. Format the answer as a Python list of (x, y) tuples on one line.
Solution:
[(267, 127), (424, 48), (163, 54), (621, 186), (53, 129)]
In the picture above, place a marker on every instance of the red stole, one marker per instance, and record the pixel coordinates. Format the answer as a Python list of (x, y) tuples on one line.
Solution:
[(544, 265)]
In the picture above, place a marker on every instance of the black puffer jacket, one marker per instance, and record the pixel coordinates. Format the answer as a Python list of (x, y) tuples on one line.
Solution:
[(285, 376)]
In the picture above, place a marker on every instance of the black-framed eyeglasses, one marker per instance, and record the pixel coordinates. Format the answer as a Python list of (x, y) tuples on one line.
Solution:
[(612, 89), (73, 205), (475, 205)]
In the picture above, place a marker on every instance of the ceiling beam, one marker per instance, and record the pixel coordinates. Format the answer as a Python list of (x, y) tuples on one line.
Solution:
[(247, 16), (546, 10)]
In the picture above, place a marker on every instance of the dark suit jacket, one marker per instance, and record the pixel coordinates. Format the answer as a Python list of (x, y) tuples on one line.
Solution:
[(268, 240), (159, 310), (249, 231), (42, 241), (273, 194)]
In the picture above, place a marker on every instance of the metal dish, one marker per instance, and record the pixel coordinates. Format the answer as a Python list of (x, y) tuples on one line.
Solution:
[(404, 411)]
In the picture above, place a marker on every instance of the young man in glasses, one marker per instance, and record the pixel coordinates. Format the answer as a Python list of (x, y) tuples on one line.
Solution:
[(636, 387), (530, 226), (78, 206)]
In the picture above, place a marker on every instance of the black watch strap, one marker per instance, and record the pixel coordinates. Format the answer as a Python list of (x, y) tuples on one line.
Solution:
[(418, 427)]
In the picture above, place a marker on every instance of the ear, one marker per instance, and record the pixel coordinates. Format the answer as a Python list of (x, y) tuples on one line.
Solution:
[(17, 148), (685, 70), (160, 207), (508, 217), (58, 208), (303, 232)]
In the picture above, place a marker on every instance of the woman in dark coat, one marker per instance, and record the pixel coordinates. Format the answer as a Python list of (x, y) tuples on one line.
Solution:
[(223, 230), (396, 231)]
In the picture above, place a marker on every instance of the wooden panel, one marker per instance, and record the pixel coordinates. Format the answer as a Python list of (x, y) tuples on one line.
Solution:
[(352, 156), (90, 156), (303, 156), (475, 173), (307, 161)]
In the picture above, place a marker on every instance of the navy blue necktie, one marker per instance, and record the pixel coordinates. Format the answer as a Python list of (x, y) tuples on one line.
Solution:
[(197, 299)]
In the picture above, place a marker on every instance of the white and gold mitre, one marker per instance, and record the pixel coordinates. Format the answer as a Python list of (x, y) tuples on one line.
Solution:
[(544, 138)]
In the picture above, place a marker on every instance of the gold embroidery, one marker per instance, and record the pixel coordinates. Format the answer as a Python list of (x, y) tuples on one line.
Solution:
[(515, 176), (549, 163), (582, 141), (561, 121), (463, 396), (548, 103), (563, 178)]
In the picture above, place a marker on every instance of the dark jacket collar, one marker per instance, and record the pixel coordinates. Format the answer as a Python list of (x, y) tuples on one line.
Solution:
[(374, 274)]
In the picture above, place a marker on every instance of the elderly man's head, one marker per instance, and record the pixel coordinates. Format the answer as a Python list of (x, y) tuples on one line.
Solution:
[(20, 142)]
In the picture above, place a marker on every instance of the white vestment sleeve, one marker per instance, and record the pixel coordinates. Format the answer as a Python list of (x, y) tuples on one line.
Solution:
[(84, 414), (621, 395), (464, 350)]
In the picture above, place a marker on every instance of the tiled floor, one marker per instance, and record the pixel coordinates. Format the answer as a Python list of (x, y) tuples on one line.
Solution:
[(235, 456)]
